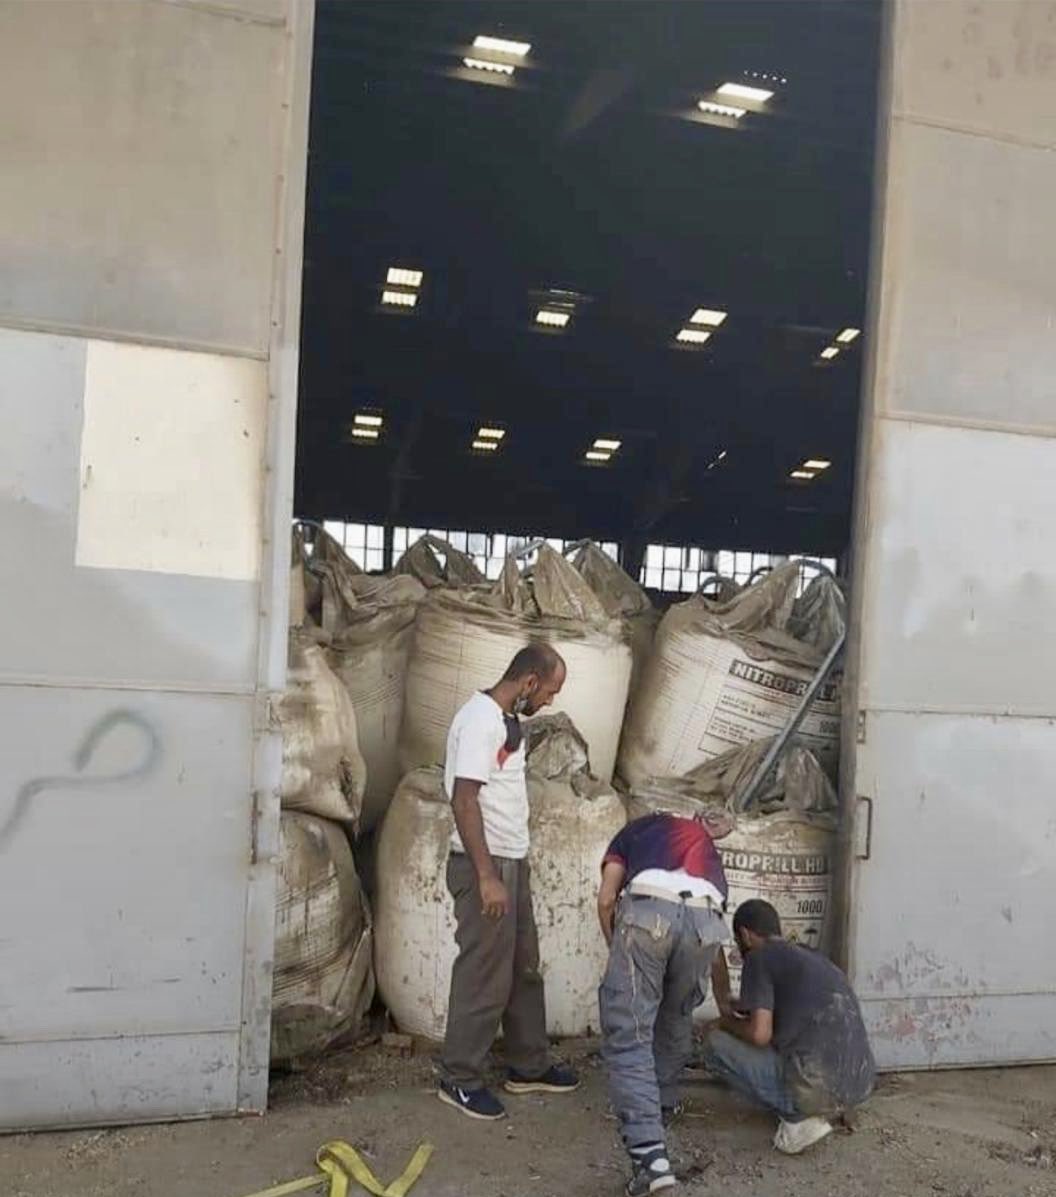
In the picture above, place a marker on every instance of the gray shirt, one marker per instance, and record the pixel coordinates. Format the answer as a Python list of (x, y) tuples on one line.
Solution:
[(818, 1028)]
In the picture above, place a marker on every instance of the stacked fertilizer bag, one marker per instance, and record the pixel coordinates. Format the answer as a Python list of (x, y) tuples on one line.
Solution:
[(368, 624), (324, 979), (725, 672), (434, 562), (572, 818), (780, 848), (465, 638), (622, 598)]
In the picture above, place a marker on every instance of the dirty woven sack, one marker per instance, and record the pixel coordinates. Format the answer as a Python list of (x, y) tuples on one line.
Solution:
[(322, 769), (435, 562), (720, 674), (369, 651), (465, 639), (781, 850), (572, 818), (324, 979)]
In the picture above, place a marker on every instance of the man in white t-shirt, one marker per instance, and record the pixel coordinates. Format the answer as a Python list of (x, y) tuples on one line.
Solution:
[(496, 978)]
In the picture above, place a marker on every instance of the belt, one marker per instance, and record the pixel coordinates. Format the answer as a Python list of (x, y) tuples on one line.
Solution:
[(638, 890)]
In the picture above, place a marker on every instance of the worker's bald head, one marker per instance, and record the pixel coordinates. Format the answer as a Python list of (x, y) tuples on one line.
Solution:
[(538, 672), (537, 658)]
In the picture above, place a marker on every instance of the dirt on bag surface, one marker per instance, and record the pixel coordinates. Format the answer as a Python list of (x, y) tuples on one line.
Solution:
[(950, 1134)]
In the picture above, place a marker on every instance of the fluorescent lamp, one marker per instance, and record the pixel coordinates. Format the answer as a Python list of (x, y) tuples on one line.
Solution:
[(399, 277), (366, 434), (399, 299), (708, 316), (501, 45), (486, 446), (552, 319), (741, 91), (491, 434), (369, 421), (848, 335), (482, 64), (829, 353), (722, 455), (806, 475), (816, 463), (693, 336), (594, 455), (721, 109), (608, 446)]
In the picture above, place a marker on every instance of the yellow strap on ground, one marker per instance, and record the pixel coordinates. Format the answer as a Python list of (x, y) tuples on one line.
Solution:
[(340, 1164)]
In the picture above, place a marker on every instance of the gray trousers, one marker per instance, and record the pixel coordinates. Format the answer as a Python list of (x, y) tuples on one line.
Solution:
[(657, 975), (495, 979)]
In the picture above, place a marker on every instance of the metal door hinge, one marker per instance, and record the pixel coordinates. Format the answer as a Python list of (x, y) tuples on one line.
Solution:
[(860, 727)]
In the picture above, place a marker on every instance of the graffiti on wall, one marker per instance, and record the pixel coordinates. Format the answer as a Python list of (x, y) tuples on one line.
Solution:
[(81, 759)]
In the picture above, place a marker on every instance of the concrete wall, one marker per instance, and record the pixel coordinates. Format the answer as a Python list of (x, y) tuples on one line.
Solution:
[(153, 157), (956, 575)]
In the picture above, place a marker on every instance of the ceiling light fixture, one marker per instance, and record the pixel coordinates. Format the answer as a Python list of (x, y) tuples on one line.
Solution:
[(816, 463), (491, 434), (482, 64), (848, 335), (485, 446), (399, 299), (829, 353), (501, 45), (399, 277), (741, 91), (366, 434), (552, 319), (709, 316), (594, 455), (693, 336), (803, 475), (607, 446), (368, 421), (721, 109)]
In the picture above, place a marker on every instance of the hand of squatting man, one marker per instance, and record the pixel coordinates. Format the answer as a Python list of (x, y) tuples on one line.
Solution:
[(495, 978)]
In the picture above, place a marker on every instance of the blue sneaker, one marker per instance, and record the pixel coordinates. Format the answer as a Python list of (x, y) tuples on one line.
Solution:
[(474, 1103), (554, 1080)]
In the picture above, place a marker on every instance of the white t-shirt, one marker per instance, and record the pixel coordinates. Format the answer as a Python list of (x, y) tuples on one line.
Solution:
[(476, 750)]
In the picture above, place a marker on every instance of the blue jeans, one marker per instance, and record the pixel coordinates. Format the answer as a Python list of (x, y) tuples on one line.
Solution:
[(657, 975), (754, 1072)]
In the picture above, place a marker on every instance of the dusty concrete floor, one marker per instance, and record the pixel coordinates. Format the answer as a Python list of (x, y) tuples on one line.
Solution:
[(963, 1134)]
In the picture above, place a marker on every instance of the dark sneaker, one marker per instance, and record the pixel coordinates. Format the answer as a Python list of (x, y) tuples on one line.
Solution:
[(474, 1103), (651, 1174), (554, 1080)]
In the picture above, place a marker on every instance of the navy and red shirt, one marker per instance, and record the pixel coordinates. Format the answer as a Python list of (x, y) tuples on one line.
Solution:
[(668, 842)]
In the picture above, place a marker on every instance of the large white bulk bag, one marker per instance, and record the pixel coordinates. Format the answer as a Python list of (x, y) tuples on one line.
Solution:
[(370, 653), (464, 640), (622, 598), (573, 818), (724, 674), (322, 769), (434, 562), (781, 850), (324, 979)]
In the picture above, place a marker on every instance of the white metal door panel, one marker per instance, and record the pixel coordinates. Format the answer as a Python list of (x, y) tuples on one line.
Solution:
[(959, 749), (123, 888), (960, 889)]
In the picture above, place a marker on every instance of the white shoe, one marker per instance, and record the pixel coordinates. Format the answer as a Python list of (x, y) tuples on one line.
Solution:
[(794, 1137)]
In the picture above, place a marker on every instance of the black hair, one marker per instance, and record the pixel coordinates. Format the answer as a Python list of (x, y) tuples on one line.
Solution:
[(538, 657), (758, 916)]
